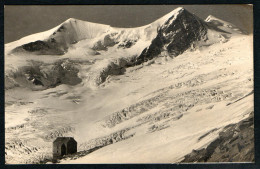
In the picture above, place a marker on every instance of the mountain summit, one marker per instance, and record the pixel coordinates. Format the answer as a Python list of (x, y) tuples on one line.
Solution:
[(176, 35), (223, 25)]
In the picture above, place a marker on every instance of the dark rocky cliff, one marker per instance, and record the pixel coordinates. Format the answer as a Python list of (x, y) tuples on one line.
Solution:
[(234, 144), (175, 36)]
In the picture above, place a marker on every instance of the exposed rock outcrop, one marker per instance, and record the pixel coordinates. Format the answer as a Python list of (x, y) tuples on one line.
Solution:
[(176, 35), (234, 144), (42, 76)]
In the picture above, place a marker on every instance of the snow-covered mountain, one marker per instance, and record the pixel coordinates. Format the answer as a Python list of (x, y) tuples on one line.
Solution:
[(170, 35), (178, 24), (133, 94)]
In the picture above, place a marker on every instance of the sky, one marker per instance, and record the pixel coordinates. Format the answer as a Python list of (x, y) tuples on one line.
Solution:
[(23, 20)]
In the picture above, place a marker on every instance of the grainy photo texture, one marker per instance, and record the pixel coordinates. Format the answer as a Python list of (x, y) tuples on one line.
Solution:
[(129, 84)]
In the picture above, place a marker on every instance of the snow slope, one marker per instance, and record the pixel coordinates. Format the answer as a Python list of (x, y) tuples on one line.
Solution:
[(199, 94), (90, 86)]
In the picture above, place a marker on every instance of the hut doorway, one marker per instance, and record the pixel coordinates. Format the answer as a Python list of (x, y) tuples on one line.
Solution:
[(63, 146), (63, 149)]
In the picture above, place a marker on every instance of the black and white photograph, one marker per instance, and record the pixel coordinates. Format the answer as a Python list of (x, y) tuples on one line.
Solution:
[(129, 84)]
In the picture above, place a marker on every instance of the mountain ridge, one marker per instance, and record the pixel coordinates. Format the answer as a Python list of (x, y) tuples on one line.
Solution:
[(59, 39), (168, 36)]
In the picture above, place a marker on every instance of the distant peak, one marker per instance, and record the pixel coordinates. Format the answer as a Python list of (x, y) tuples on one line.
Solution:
[(82, 22), (211, 17), (71, 20), (180, 9), (173, 15)]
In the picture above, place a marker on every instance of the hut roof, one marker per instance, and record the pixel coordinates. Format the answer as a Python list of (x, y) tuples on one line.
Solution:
[(63, 139)]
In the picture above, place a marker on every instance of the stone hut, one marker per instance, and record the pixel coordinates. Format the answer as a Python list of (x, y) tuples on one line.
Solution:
[(64, 146)]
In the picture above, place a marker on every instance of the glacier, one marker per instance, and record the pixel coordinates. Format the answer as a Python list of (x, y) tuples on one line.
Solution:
[(150, 94)]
